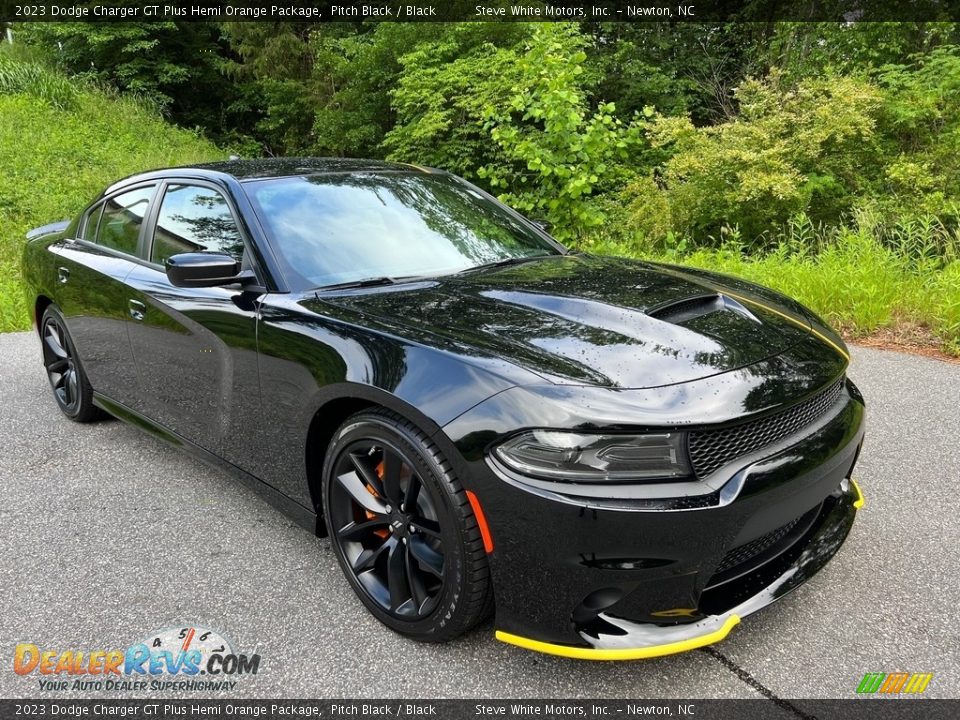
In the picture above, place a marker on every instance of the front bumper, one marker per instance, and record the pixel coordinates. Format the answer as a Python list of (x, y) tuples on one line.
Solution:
[(586, 580), (646, 640)]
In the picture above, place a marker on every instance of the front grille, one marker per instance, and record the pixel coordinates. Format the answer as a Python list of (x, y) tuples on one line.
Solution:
[(712, 449), (745, 553), (777, 544)]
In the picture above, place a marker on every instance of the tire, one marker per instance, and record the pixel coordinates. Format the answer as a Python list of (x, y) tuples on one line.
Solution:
[(71, 389), (375, 461)]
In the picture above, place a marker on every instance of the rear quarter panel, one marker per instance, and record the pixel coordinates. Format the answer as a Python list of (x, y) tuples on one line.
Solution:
[(37, 268)]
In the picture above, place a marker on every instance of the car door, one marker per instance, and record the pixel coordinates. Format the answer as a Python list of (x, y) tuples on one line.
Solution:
[(194, 348), (91, 271)]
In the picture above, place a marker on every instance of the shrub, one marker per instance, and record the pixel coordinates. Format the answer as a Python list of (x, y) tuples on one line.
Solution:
[(919, 127), (556, 153), (789, 151)]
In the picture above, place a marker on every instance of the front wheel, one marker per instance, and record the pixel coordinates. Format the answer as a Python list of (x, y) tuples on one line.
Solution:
[(71, 389), (403, 529)]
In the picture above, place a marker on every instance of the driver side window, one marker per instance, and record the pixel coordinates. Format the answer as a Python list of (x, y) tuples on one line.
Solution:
[(194, 219)]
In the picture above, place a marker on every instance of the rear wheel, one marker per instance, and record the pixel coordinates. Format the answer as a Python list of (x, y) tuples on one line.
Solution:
[(403, 530), (71, 388)]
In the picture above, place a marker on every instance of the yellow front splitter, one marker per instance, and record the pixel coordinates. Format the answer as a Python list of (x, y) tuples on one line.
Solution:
[(859, 502), (638, 653)]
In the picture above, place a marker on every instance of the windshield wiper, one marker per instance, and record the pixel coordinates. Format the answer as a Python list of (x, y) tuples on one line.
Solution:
[(375, 282), (391, 280), (504, 263), (366, 282)]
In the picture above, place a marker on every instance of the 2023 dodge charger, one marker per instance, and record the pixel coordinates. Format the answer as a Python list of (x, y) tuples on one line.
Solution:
[(623, 458)]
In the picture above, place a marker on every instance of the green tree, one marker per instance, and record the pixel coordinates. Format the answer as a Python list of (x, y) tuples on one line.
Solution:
[(356, 67), (555, 153), (677, 68), (802, 50), (446, 87), (273, 72), (176, 66)]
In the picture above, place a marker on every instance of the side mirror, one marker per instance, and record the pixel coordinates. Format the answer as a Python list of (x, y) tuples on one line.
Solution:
[(193, 270), (543, 225)]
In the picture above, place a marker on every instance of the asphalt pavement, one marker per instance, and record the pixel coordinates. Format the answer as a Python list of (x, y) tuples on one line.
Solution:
[(107, 535)]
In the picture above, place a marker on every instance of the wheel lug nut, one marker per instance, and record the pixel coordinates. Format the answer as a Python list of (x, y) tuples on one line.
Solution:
[(412, 529), (389, 509)]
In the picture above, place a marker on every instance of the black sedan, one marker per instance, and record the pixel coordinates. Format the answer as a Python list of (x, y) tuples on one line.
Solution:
[(622, 458)]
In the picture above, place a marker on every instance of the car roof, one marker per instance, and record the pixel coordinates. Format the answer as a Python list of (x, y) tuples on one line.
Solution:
[(262, 168), (289, 167)]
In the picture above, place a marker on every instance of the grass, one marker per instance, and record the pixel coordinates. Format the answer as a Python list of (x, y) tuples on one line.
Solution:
[(61, 143), (862, 279)]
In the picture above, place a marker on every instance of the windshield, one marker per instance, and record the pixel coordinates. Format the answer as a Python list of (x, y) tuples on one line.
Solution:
[(334, 229)]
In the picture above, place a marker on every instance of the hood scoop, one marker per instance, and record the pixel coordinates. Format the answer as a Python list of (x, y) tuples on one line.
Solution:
[(687, 309)]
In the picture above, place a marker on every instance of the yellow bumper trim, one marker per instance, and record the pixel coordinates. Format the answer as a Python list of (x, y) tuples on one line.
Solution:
[(860, 501), (640, 653)]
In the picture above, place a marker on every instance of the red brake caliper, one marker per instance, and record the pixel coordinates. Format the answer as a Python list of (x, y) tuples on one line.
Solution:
[(382, 532)]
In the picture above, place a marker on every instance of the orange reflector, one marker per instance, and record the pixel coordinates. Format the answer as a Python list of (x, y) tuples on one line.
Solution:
[(481, 522)]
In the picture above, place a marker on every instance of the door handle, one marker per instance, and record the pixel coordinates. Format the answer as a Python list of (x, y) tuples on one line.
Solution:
[(63, 274), (137, 309)]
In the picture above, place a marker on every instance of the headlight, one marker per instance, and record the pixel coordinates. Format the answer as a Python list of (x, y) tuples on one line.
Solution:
[(598, 458)]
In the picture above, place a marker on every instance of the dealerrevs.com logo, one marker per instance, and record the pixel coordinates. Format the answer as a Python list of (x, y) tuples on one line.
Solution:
[(180, 658)]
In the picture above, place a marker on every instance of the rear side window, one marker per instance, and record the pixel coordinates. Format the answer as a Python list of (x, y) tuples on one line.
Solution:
[(122, 218), (90, 226), (195, 219)]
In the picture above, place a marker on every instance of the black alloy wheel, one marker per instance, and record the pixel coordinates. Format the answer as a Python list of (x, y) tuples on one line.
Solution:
[(71, 389), (403, 530), (388, 528)]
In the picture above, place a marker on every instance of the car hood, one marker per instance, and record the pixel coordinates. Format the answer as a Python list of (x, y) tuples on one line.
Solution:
[(586, 320)]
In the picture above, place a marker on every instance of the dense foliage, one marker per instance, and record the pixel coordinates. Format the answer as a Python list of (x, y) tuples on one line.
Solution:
[(791, 146)]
